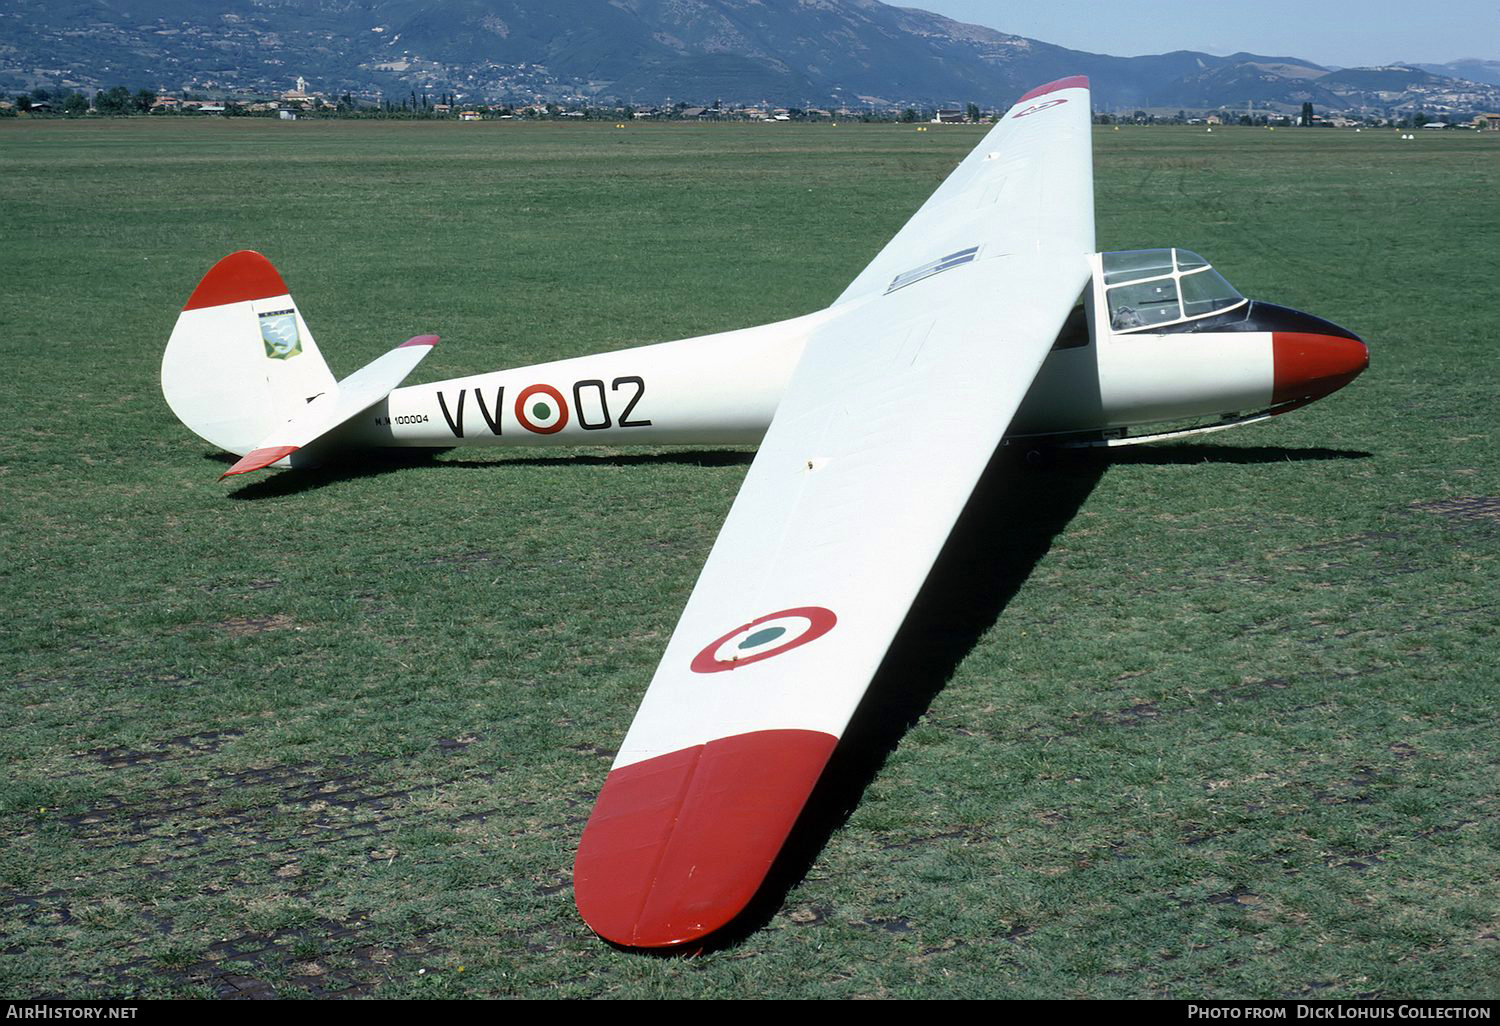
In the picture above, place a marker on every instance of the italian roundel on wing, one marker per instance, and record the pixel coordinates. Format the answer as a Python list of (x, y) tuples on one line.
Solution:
[(541, 409), (764, 637)]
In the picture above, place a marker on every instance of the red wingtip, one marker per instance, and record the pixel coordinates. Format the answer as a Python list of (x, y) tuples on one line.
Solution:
[(419, 340), (257, 458), (679, 844), (1071, 82), (238, 277)]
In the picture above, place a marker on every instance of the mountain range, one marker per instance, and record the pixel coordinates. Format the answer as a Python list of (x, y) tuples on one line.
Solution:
[(852, 53)]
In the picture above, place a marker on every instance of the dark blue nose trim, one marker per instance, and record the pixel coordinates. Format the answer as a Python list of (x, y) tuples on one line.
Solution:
[(1257, 315)]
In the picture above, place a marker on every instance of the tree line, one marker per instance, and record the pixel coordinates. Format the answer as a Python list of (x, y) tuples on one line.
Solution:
[(118, 100)]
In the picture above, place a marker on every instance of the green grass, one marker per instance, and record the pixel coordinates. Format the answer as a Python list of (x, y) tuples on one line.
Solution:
[(1205, 719)]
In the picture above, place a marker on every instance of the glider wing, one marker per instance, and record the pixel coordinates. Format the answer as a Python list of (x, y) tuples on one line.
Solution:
[(887, 423)]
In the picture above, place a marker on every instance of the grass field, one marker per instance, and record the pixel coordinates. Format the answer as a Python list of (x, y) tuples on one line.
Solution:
[(1199, 719)]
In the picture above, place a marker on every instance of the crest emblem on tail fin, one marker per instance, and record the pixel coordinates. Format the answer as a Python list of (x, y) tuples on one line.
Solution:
[(278, 330)]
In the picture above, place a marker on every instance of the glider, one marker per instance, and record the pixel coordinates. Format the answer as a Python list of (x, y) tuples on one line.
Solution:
[(989, 317)]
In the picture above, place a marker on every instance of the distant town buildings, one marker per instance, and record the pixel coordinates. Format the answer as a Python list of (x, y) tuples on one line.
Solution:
[(302, 101), (299, 94)]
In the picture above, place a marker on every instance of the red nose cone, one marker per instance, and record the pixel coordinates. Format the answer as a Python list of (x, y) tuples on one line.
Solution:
[(1312, 366)]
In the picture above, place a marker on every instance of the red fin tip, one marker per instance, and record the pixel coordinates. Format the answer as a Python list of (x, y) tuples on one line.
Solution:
[(238, 277)]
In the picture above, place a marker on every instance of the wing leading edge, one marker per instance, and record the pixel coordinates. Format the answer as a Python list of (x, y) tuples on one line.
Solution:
[(888, 421)]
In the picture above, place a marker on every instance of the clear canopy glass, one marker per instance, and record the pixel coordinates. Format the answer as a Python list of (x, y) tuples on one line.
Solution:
[(1149, 288)]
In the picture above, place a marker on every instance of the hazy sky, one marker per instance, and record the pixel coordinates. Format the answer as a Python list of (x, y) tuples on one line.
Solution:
[(1371, 32)]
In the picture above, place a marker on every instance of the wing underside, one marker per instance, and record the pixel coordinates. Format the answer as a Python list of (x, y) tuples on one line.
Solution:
[(887, 423)]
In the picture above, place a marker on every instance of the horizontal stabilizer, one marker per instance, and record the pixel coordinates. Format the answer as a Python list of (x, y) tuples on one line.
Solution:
[(350, 397)]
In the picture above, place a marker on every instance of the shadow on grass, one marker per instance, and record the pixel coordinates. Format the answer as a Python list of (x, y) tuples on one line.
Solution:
[(1008, 525), (373, 462), (1006, 528), (376, 462), (1174, 455)]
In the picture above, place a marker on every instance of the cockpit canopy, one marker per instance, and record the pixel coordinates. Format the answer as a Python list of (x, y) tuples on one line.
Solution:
[(1150, 288)]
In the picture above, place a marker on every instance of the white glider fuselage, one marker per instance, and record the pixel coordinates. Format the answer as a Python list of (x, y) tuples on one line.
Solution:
[(719, 389), (874, 419), (1098, 385)]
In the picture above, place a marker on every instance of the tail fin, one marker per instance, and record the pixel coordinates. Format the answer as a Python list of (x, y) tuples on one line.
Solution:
[(241, 361)]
